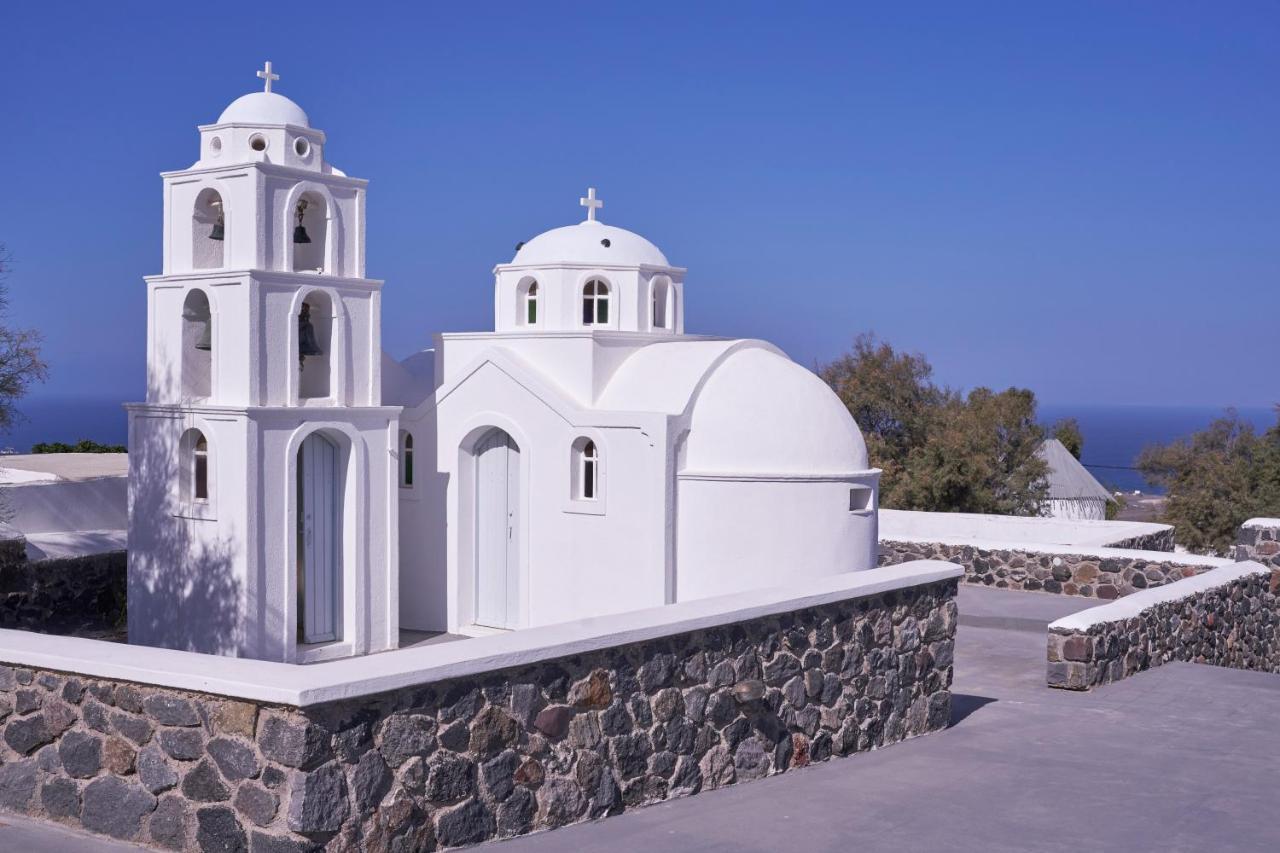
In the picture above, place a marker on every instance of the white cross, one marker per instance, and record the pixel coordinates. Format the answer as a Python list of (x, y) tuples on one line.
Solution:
[(591, 203), (266, 74)]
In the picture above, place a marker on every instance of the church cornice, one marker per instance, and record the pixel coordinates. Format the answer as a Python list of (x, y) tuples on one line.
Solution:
[(587, 267), (573, 334), (273, 169), (308, 413), (286, 277)]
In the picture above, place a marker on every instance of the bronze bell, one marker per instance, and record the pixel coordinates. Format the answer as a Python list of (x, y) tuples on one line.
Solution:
[(300, 233), (204, 341), (218, 230), (307, 344)]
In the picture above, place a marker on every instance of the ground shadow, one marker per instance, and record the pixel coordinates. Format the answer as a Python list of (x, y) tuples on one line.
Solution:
[(964, 704)]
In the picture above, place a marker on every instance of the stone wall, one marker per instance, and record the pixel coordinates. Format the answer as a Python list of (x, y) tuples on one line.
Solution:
[(457, 762), (84, 596), (1105, 573), (1258, 539), (1160, 540), (1232, 623)]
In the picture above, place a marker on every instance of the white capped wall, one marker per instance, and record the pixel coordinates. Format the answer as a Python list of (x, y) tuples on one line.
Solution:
[(743, 534)]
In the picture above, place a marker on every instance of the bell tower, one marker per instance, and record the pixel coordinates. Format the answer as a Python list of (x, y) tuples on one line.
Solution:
[(263, 334)]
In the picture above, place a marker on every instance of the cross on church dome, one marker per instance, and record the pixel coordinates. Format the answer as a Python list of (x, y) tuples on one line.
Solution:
[(266, 75), (591, 203)]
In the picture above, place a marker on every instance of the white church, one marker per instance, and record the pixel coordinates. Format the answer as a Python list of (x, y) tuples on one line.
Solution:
[(298, 495)]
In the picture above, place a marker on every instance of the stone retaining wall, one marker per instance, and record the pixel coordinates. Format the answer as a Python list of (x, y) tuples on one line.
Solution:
[(84, 596), (1105, 574), (458, 762), (1258, 539), (1232, 623), (1161, 540)]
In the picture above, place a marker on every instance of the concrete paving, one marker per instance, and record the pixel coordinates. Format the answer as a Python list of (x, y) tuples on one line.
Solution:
[(1181, 758), (23, 835)]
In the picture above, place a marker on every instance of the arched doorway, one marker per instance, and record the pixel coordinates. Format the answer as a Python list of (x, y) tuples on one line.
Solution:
[(497, 530), (319, 541)]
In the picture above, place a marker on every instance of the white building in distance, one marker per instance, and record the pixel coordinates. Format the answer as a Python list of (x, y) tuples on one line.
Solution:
[(296, 494)]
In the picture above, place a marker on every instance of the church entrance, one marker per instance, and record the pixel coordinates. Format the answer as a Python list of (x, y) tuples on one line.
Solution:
[(497, 530), (319, 540)]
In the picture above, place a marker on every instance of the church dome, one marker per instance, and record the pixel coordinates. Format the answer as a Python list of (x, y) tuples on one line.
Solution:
[(264, 108), (592, 243), (760, 412)]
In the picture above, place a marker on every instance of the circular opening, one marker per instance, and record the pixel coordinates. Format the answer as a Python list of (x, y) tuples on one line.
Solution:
[(258, 142), (519, 245), (215, 145), (301, 147), (605, 242)]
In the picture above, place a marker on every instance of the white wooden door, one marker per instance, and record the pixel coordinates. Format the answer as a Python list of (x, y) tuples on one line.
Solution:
[(319, 539), (497, 530)]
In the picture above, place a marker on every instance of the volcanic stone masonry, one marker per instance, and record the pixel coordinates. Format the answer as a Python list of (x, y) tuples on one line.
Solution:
[(1092, 576), (1259, 540), (1232, 625), (454, 763), (84, 596)]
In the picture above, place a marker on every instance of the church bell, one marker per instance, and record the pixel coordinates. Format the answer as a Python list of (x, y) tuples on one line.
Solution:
[(204, 340), (300, 233), (307, 344), (218, 231)]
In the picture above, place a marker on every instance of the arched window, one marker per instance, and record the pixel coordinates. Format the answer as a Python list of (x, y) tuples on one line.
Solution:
[(315, 327), (406, 460), (664, 307), (197, 346), (531, 304), (208, 230), (194, 453), (595, 303), (310, 231), (586, 470)]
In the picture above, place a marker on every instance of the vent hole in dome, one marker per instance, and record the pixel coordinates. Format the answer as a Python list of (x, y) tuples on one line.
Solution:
[(519, 245), (605, 242)]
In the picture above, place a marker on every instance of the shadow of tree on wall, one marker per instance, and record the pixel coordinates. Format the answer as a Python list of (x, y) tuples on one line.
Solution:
[(183, 589)]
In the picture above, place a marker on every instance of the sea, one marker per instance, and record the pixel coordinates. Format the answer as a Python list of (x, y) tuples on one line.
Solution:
[(1113, 435)]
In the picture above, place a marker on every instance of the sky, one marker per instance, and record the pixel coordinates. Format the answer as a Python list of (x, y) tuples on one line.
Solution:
[(1079, 198)]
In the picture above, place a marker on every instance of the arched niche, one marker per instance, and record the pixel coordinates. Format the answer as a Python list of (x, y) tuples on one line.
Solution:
[(663, 304), (310, 233), (528, 302), (197, 346), (193, 449), (315, 345), (208, 230)]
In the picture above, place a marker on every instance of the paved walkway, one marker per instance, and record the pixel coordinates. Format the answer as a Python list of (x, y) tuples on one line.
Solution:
[(1181, 758)]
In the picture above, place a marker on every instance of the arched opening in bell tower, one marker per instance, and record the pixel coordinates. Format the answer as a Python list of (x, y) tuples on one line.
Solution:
[(310, 233), (315, 345), (197, 346), (208, 230)]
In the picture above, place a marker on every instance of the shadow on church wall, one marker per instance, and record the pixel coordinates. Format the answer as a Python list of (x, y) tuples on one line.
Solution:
[(183, 587)]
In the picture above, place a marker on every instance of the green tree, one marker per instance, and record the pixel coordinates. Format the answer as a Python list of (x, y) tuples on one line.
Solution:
[(1068, 432), (940, 451), (20, 362), (1217, 479)]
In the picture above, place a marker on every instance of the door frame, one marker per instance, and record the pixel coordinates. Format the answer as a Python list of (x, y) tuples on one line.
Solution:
[(512, 545), (463, 502), (353, 466), (335, 544)]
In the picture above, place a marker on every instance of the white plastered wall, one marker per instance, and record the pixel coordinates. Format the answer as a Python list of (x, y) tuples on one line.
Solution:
[(574, 559)]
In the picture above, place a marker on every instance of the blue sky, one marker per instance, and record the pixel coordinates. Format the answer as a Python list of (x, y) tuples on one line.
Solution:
[(1078, 198)]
